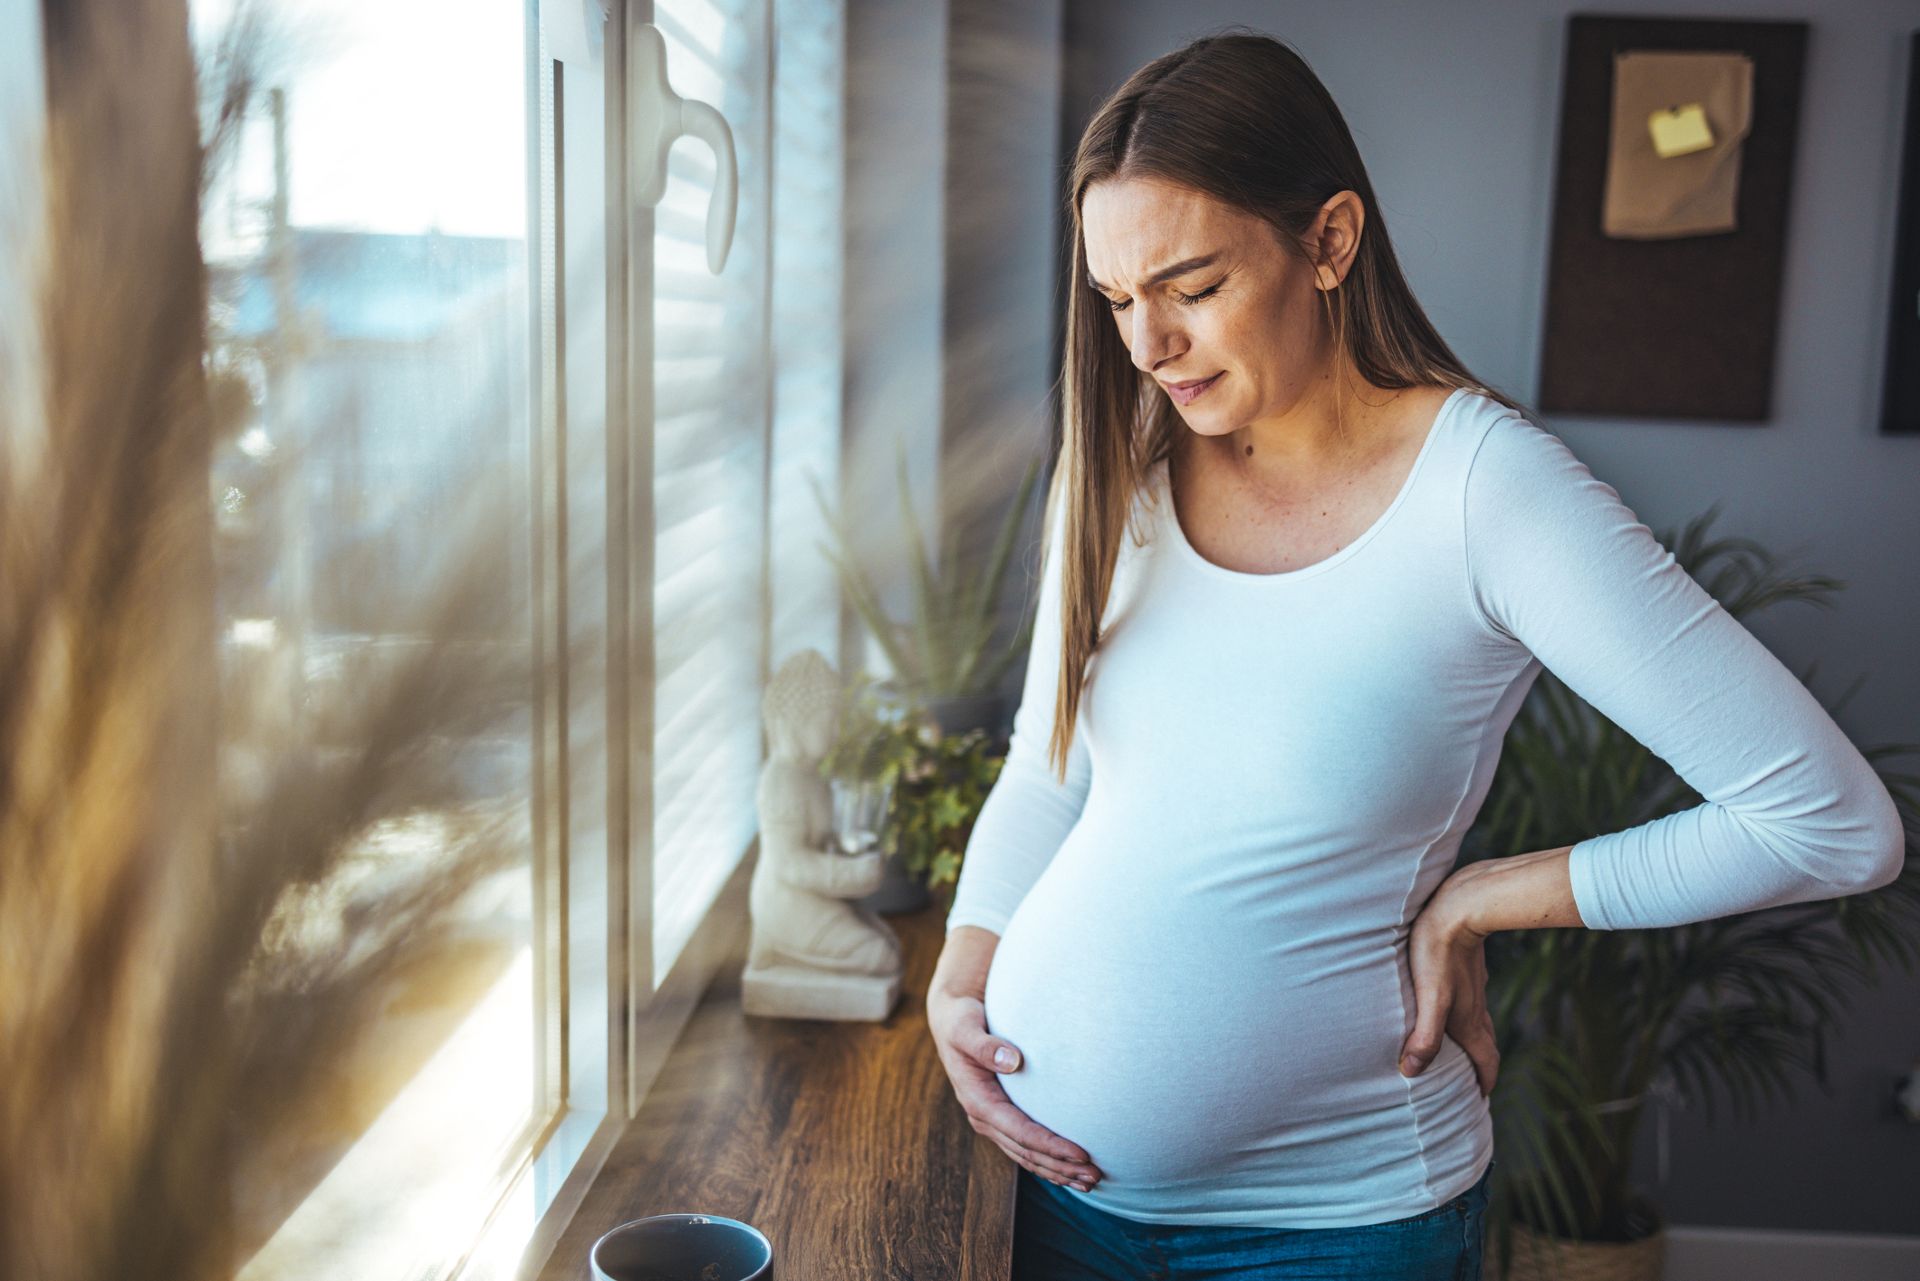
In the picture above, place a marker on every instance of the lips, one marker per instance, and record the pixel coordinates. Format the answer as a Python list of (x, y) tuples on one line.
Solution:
[(1186, 393)]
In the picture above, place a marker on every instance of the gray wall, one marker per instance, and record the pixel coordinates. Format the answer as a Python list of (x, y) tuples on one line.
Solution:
[(1003, 98), (952, 135), (1455, 108), (1002, 226), (894, 275)]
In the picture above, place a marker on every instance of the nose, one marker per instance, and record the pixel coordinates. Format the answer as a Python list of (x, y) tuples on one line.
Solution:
[(1153, 340)]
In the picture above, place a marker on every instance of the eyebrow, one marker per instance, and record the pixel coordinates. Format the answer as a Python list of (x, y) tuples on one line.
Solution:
[(1180, 268)]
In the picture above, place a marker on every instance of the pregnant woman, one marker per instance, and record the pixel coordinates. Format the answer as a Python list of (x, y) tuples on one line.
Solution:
[(1211, 976)]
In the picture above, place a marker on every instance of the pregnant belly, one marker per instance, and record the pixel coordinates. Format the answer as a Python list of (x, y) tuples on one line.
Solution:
[(1173, 1040)]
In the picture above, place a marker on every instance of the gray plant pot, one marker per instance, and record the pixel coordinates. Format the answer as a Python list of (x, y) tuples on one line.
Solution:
[(958, 713), (955, 714), (899, 892)]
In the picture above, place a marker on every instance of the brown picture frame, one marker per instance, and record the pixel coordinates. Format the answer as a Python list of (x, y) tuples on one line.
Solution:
[(1900, 400), (1680, 328)]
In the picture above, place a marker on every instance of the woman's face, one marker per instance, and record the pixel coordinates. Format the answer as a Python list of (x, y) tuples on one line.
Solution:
[(1202, 290)]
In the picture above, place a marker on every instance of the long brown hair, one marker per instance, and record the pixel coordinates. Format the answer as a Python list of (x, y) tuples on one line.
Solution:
[(1241, 117)]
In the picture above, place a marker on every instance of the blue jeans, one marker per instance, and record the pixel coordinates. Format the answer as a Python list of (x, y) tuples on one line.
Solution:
[(1057, 1237)]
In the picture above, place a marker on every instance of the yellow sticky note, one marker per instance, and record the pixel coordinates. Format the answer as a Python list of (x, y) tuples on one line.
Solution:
[(1679, 130)]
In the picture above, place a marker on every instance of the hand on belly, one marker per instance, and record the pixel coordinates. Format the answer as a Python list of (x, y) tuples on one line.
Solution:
[(1170, 1073)]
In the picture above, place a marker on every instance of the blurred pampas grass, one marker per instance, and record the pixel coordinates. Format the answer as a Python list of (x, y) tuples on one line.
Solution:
[(179, 967)]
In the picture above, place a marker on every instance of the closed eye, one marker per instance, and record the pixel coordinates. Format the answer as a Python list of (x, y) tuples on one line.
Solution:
[(1186, 300)]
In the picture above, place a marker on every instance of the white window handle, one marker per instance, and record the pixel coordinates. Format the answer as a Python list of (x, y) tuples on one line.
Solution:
[(656, 115)]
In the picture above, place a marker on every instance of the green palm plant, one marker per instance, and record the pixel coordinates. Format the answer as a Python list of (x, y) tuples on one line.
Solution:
[(1591, 1021), (942, 652)]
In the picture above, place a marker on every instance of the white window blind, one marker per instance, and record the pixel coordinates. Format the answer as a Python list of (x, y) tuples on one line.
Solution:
[(746, 407), (710, 418), (809, 122)]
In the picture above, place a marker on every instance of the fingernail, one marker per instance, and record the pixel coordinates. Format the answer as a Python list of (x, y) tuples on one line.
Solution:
[(1003, 1057), (1409, 1066)]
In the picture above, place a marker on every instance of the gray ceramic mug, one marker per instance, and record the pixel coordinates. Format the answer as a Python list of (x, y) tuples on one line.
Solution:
[(683, 1247)]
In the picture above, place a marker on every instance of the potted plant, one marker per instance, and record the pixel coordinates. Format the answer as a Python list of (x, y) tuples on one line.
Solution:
[(1591, 1023), (936, 783), (940, 657)]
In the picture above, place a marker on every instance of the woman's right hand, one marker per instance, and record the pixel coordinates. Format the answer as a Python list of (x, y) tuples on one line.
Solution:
[(957, 1017)]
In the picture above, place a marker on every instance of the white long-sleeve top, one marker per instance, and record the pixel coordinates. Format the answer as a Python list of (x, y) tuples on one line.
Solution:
[(1203, 951)]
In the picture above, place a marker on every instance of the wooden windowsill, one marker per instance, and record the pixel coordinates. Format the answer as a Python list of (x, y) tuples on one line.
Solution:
[(841, 1141)]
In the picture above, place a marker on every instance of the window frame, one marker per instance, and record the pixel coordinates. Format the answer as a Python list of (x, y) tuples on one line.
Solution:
[(573, 1129), (644, 1017)]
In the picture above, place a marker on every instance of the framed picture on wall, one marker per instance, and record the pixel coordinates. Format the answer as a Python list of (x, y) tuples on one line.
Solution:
[(1900, 403), (1669, 226)]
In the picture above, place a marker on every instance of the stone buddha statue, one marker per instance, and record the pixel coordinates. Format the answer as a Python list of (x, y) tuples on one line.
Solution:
[(813, 955)]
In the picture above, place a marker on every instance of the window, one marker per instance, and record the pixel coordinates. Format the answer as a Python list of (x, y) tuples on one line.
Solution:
[(422, 256), (366, 241)]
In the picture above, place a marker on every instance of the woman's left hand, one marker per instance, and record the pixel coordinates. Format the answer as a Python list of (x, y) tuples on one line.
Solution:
[(1448, 959)]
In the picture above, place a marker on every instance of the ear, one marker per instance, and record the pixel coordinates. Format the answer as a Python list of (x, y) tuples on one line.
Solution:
[(1335, 237)]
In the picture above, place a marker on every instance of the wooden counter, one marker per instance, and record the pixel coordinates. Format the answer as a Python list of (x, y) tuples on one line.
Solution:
[(841, 1141)]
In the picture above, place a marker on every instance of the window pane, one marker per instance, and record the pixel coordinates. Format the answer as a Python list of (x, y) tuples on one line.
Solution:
[(367, 250)]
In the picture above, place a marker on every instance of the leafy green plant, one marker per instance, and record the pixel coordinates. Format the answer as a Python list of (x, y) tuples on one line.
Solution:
[(942, 652), (939, 781), (874, 729), (1589, 1021)]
